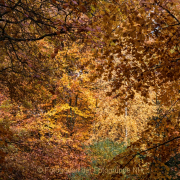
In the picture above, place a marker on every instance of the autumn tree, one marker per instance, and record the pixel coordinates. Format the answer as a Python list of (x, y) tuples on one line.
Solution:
[(142, 55), (31, 34), (142, 48), (23, 23), (57, 122)]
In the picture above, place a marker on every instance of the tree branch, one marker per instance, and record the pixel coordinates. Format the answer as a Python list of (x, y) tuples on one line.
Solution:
[(170, 14), (150, 149), (31, 39)]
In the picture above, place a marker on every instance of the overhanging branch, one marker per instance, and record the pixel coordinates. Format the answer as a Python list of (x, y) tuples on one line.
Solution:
[(30, 39), (150, 149)]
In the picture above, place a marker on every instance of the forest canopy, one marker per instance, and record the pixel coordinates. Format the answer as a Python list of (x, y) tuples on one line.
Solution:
[(89, 84)]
